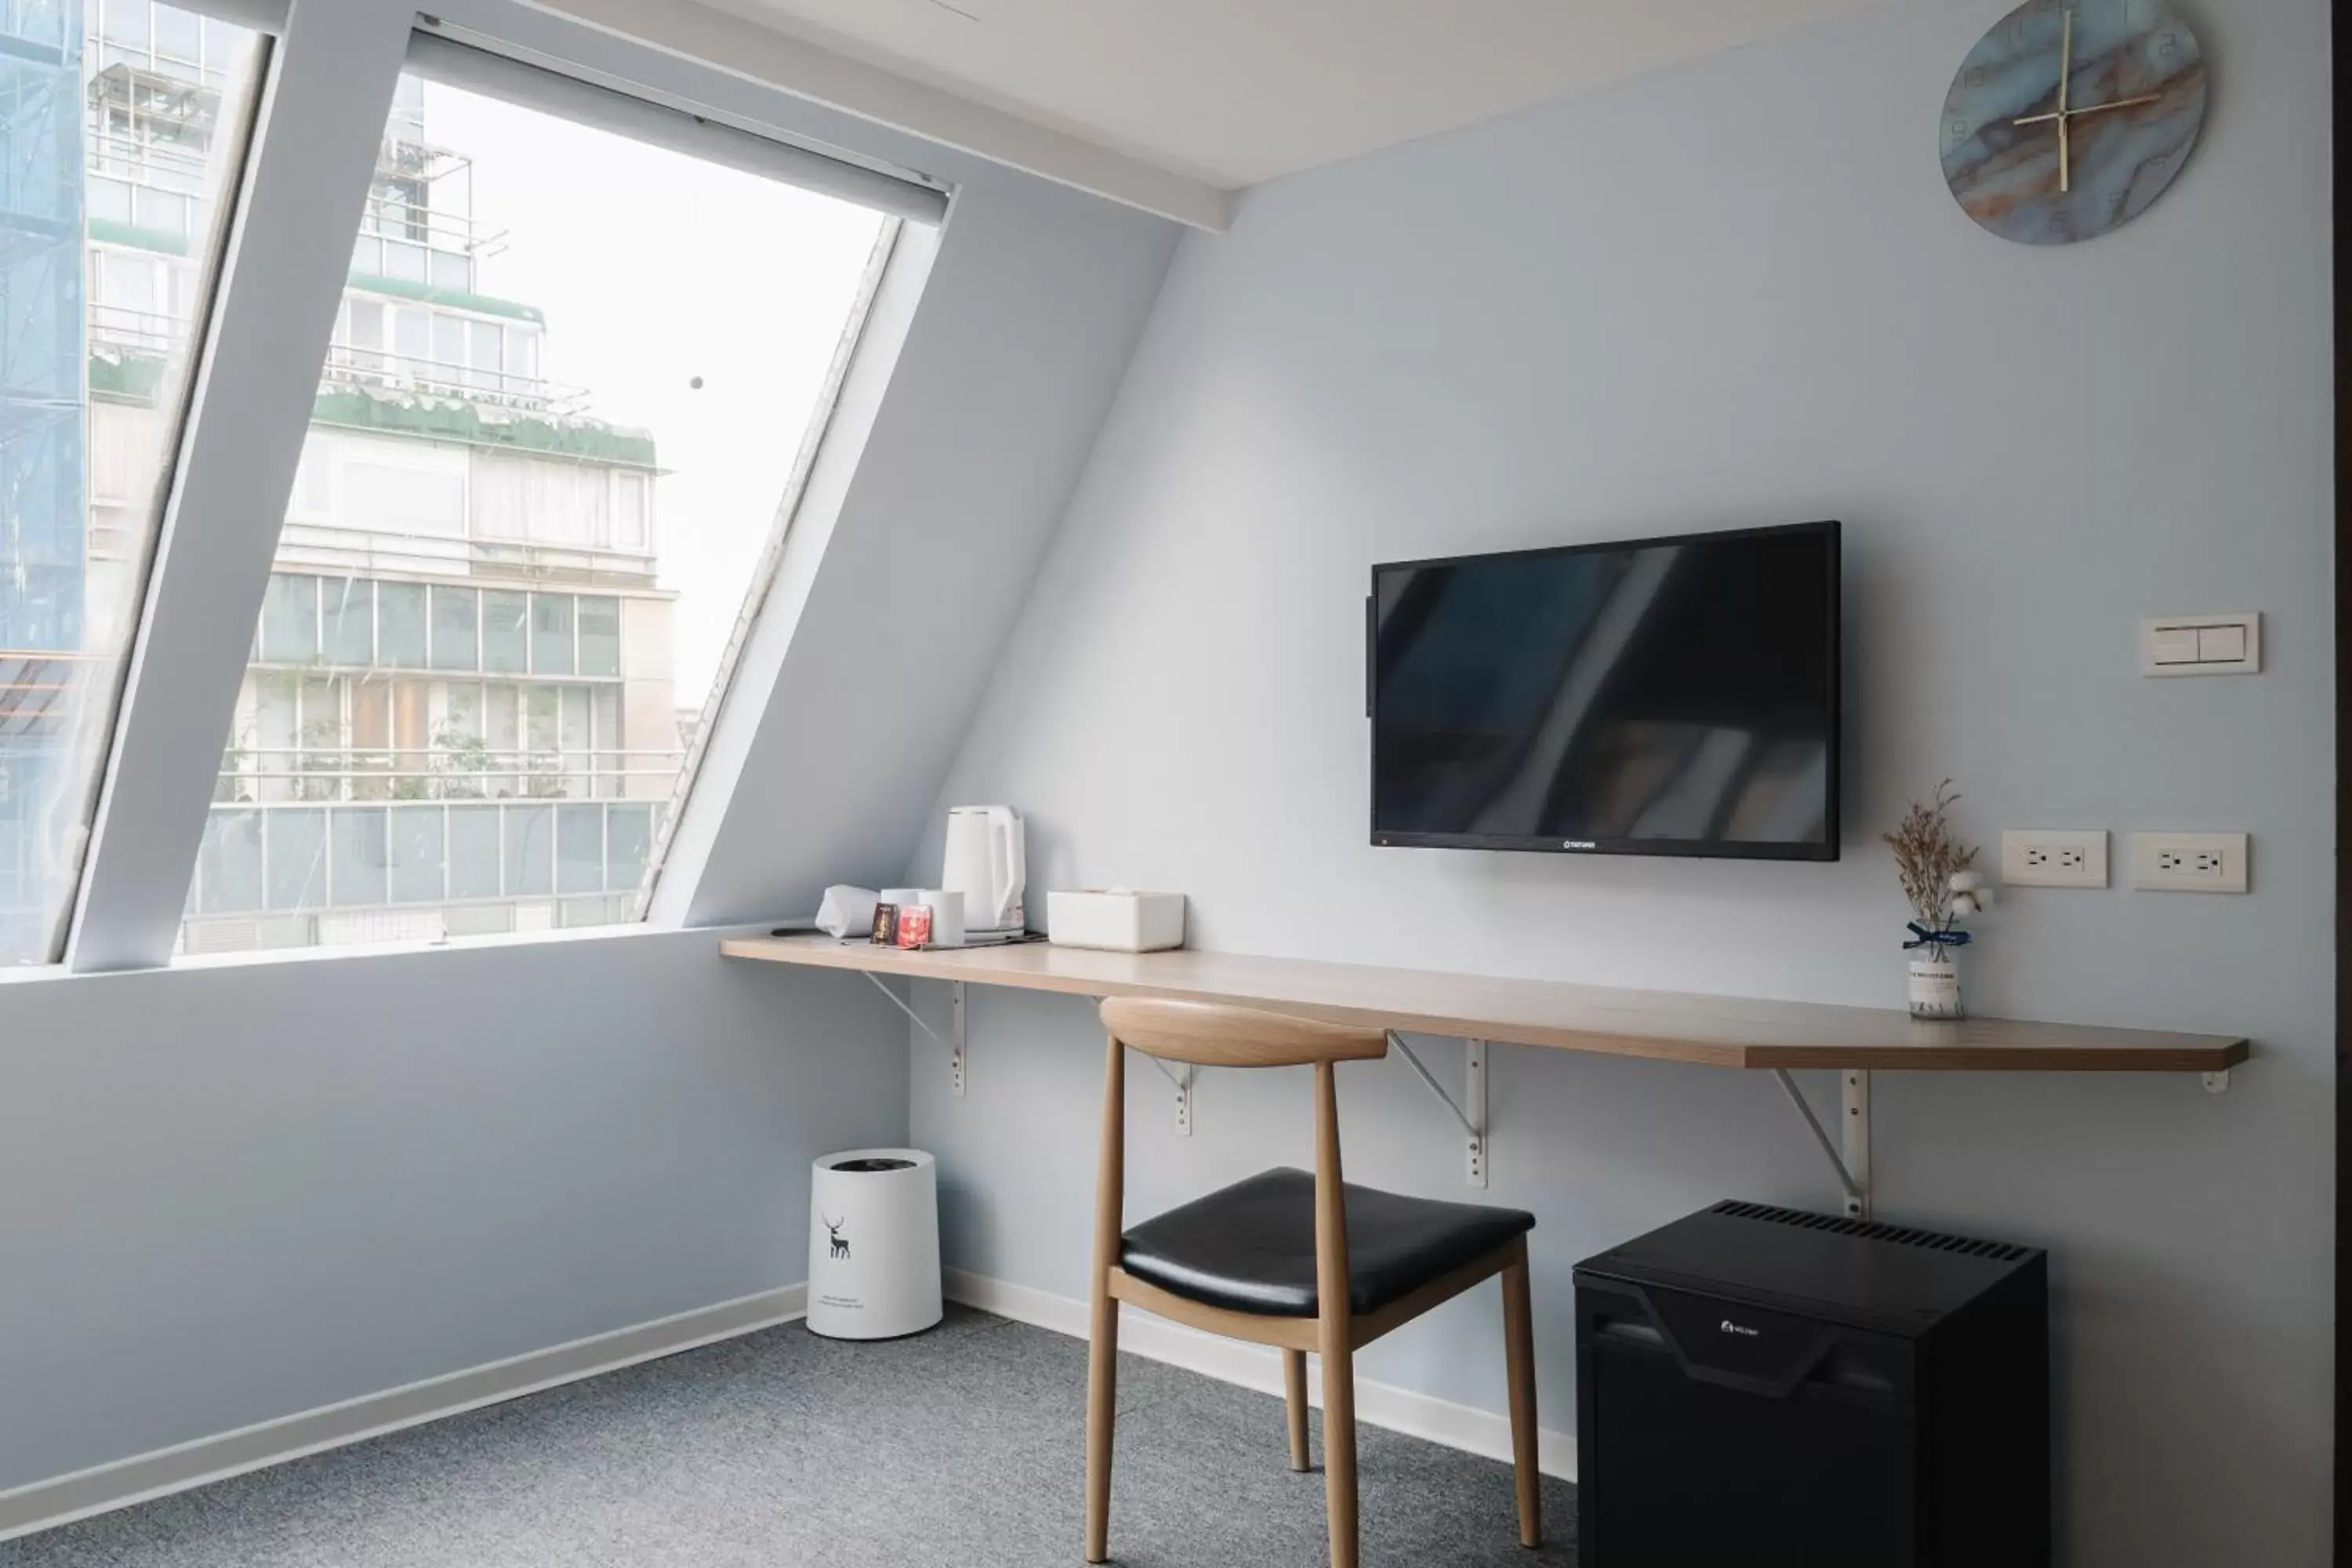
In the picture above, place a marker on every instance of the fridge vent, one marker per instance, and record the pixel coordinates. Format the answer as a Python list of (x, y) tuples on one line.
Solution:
[(1873, 1230)]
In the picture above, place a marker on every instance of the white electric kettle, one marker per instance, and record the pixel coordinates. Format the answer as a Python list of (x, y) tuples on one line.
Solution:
[(987, 863)]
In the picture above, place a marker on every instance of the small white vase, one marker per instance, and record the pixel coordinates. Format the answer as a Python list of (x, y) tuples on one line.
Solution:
[(1935, 986)]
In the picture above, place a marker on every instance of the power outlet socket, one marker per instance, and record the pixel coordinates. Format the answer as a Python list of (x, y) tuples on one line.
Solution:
[(2053, 858), (2190, 862)]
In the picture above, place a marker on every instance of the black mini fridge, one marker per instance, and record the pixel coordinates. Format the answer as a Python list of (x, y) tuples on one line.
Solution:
[(1759, 1387)]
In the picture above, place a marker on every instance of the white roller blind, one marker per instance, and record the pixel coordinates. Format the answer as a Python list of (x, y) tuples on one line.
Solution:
[(441, 59)]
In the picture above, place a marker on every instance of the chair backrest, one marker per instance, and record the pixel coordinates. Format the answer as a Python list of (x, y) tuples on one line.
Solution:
[(1209, 1033)]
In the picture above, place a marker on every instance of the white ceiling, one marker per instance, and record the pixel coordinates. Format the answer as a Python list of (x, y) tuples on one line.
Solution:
[(1229, 92)]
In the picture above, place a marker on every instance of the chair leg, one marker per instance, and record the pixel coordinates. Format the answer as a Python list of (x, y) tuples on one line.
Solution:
[(1294, 1389), (1519, 1348), (1339, 1443), (1102, 1407)]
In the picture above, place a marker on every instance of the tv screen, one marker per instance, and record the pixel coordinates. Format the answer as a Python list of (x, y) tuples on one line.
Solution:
[(1661, 696)]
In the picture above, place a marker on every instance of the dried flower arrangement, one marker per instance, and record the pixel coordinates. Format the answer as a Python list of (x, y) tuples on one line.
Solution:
[(1937, 873)]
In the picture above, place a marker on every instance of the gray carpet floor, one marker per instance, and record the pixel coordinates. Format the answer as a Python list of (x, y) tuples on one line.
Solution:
[(962, 1448)]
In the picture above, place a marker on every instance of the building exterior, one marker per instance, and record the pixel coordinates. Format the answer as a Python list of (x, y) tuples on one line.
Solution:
[(459, 716), (43, 548)]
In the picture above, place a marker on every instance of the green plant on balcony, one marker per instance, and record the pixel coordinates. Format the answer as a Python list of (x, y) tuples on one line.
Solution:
[(461, 762), (319, 774)]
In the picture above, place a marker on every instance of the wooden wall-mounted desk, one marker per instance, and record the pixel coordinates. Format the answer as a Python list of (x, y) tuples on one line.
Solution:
[(1714, 1031)]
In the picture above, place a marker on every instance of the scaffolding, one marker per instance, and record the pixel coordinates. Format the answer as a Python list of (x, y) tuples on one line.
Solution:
[(43, 519)]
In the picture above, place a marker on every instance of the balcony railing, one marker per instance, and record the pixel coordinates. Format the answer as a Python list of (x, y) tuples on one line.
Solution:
[(266, 775), (350, 365), (304, 859), (158, 334)]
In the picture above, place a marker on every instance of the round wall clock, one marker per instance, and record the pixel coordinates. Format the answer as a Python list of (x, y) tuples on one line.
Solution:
[(2072, 116)]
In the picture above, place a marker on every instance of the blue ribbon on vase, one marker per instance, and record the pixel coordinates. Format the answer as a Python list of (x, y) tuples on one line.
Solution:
[(1938, 940)]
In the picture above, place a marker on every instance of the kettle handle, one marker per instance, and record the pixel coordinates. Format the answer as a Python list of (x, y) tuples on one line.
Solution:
[(1006, 870)]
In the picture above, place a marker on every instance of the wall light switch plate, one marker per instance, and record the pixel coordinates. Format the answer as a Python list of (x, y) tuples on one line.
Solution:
[(2188, 862), (2202, 645), (2053, 858)]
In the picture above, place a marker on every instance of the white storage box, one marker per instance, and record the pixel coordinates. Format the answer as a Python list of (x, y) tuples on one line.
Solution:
[(1114, 918), (874, 1244)]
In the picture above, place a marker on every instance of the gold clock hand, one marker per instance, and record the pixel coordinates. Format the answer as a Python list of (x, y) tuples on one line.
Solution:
[(2119, 103), (2095, 108), (2065, 77), (2065, 56)]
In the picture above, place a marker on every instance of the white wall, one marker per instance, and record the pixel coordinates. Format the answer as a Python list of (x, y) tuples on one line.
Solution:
[(1729, 293), (243, 1191)]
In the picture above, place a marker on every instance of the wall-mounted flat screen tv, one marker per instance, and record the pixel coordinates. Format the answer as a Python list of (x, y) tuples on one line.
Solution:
[(1657, 697)]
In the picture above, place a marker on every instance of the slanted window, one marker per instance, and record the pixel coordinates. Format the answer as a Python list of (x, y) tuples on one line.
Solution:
[(520, 450)]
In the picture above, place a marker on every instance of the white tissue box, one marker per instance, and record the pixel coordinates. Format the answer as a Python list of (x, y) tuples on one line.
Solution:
[(1116, 918)]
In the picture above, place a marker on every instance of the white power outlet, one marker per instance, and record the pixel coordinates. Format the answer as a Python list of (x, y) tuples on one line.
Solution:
[(2190, 862), (2053, 858)]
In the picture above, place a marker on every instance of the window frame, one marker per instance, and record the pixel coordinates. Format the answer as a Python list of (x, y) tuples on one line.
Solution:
[(115, 897)]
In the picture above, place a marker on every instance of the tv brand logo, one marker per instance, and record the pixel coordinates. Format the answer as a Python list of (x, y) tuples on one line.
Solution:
[(1578, 844), (1742, 1329)]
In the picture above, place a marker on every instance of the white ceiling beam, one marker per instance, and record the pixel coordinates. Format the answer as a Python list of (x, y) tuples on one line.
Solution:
[(288, 251), (765, 54)]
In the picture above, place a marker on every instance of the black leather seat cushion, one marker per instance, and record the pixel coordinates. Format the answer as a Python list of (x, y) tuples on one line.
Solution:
[(1251, 1246)]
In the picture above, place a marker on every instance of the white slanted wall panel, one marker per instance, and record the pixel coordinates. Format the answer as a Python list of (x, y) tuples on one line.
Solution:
[(1736, 292)]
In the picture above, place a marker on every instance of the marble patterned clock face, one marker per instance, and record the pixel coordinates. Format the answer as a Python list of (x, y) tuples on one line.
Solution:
[(2072, 116)]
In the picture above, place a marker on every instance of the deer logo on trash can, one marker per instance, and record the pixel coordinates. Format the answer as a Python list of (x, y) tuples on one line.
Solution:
[(840, 1242)]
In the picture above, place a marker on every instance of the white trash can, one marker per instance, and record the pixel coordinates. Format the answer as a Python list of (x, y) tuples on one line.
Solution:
[(874, 1244)]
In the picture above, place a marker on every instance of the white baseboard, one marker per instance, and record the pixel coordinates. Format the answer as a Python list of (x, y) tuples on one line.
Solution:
[(64, 1498), (1440, 1421)]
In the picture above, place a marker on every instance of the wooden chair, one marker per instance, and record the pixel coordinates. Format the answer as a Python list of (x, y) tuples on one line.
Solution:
[(1286, 1259)]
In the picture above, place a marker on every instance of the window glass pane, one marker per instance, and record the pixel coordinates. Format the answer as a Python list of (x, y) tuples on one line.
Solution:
[(416, 854), (179, 40), (490, 475), (506, 634), (502, 737), (289, 620), (530, 850), (411, 487), (229, 863), (600, 636), (631, 830), (400, 625), (474, 860), (357, 866), (455, 611), (297, 843), (411, 337), (572, 737), (347, 633), (610, 759), (129, 25), (631, 523), (578, 848), (551, 634)]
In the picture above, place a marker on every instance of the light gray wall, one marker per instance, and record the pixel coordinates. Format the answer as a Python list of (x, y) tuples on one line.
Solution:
[(240, 1191), (1737, 292)]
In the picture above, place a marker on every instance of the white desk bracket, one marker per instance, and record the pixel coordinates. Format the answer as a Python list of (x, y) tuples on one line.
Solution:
[(1183, 1082), (2216, 1082), (1473, 1114), (1853, 1163), (954, 1046)]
